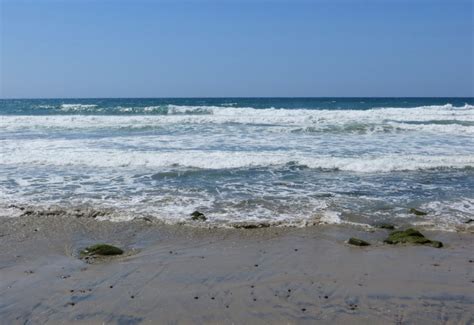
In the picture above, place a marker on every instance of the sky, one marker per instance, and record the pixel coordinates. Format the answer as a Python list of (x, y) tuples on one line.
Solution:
[(227, 48)]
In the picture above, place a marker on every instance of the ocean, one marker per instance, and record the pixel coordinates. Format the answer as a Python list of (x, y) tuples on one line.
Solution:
[(282, 161)]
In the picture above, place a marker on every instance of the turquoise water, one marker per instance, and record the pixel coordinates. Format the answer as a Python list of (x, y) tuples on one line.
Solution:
[(150, 106), (283, 160)]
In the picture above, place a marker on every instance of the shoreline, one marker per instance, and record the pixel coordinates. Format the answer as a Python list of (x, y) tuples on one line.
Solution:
[(325, 217), (197, 275)]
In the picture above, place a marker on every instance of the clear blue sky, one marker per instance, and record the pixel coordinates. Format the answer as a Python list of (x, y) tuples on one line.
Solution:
[(139, 48)]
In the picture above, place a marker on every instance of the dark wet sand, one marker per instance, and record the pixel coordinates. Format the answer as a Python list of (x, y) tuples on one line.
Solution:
[(181, 275)]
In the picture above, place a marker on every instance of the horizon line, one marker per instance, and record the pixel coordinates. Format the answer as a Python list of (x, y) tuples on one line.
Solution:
[(235, 97)]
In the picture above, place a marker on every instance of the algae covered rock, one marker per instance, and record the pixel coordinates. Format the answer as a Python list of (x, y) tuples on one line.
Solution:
[(357, 242), (411, 236), (418, 212), (198, 216), (101, 250)]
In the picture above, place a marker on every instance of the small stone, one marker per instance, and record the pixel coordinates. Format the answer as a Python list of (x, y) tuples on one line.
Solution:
[(357, 242), (388, 226), (436, 244), (418, 212), (247, 225), (101, 249), (198, 216)]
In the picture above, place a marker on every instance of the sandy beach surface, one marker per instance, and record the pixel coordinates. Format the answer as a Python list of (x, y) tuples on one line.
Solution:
[(186, 275)]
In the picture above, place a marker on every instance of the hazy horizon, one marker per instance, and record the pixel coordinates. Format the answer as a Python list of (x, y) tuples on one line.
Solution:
[(242, 97)]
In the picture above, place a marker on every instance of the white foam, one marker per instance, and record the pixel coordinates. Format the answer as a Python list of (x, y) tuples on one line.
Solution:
[(426, 118), (331, 217), (38, 155), (77, 107), (96, 154)]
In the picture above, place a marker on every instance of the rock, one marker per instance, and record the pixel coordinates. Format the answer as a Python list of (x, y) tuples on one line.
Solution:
[(436, 244), (357, 242), (147, 219), (411, 236), (418, 212), (245, 225), (388, 226), (80, 212), (198, 216), (101, 250)]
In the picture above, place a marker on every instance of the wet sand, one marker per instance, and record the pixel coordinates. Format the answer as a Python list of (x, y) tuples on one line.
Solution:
[(184, 275)]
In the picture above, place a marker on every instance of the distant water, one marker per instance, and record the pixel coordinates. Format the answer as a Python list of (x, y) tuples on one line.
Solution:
[(342, 160)]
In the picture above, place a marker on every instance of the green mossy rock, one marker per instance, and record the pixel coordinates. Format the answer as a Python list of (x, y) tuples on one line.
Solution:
[(198, 216), (418, 212), (102, 250), (411, 236), (357, 242)]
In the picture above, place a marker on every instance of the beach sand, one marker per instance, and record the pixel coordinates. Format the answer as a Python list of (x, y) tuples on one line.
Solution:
[(184, 275)]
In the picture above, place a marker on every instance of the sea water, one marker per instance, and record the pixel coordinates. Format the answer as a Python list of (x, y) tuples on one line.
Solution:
[(278, 160)]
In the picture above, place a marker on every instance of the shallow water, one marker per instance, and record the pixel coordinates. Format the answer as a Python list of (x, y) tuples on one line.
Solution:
[(356, 160)]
